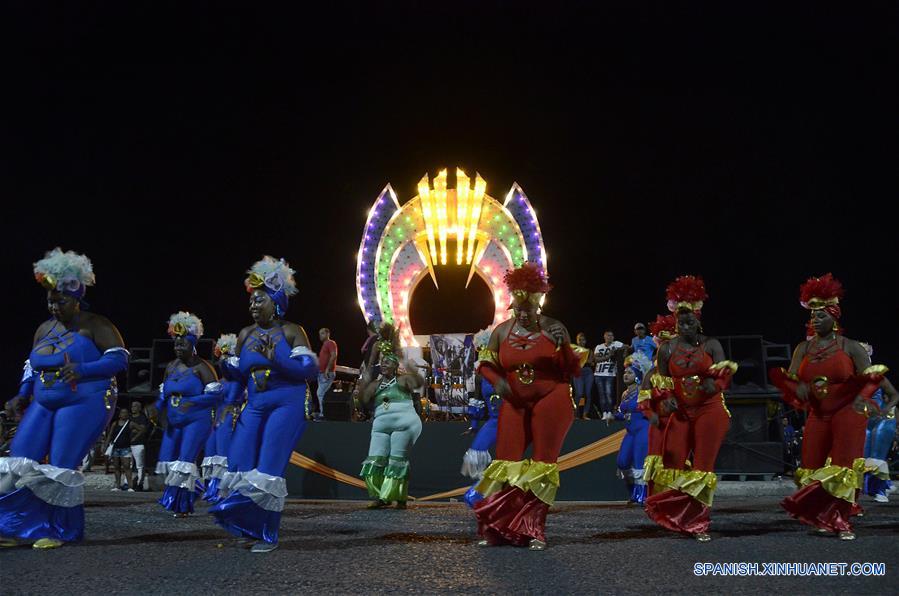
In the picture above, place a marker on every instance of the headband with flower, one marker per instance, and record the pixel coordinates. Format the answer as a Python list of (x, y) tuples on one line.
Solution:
[(275, 278), (67, 272)]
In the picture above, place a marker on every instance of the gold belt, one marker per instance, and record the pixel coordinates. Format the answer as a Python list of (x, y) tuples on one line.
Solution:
[(49, 382), (175, 399), (526, 373), (260, 385)]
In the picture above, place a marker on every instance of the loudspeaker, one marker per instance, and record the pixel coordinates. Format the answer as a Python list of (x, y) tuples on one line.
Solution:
[(749, 420), (338, 406), (750, 458)]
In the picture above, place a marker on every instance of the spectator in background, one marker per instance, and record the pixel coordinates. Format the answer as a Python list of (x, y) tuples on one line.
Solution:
[(641, 342), (140, 430), (606, 372), (327, 367), (119, 440), (583, 383), (368, 347), (790, 443), (8, 423)]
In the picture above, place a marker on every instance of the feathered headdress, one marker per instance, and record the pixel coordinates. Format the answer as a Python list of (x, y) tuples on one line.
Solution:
[(187, 325), (225, 345), (67, 272), (639, 363), (275, 278), (686, 294), (527, 283), (822, 293), (663, 328)]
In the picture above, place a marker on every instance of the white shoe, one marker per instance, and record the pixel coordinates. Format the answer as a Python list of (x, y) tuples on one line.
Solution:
[(881, 498), (264, 547), (116, 489), (130, 490)]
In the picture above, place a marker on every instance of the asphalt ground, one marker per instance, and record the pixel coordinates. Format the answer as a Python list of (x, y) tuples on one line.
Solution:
[(133, 546)]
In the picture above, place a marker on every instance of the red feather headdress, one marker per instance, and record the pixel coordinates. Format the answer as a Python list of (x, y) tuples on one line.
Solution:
[(527, 283), (664, 327), (686, 293), (822, 293)]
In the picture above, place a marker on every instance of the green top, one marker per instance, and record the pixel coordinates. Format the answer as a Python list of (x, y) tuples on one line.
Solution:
[(393, 392)]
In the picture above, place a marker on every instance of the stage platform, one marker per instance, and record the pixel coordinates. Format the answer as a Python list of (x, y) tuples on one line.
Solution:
[(436, 460)]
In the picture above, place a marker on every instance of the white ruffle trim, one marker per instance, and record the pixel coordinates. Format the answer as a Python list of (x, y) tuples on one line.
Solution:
[(475, 403), (303, 351), (214, 387), (27, 371), (60, 487), (266, 491), (214, 466), (474, 463), (227, 483), (880, 467), (233, 361), (114, 350), (637, 475), (162, 467), (182, 474)]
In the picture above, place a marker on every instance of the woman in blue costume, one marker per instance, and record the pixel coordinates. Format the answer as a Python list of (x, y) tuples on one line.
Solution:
[(215, 454), (190, 394), (478, 457), (880, 434), (635, 445), (274, 364), (68, 377)]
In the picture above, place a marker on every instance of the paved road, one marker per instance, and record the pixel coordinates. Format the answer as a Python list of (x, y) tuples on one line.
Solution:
[(339, 547)]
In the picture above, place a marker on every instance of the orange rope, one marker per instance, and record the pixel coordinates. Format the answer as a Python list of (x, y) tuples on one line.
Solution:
[(578, 457)]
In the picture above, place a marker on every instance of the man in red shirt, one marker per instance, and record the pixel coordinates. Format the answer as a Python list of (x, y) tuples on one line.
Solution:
[(327, 365)]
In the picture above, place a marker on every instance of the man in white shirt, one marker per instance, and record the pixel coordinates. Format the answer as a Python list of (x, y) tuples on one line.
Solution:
[(606, 355)]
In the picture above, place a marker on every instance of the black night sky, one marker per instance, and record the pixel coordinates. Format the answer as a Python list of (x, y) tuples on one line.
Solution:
[(752, 145)]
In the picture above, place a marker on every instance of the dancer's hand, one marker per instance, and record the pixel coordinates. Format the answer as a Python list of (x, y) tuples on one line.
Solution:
[(654, 420), (670, 405), (502, 388), (802, 390), (266, 347), (867, 408), (709, 387), (69, 373)]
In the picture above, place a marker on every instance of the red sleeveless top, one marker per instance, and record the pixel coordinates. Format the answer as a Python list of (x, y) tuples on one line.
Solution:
[(830, 373), (688, 368), (530, 365)]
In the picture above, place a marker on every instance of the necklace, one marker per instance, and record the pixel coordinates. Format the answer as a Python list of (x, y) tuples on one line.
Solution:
[(816, 353)]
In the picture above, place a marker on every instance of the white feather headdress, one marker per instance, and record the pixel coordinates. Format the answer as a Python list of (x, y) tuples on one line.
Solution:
[(64, 271), (185, 323)]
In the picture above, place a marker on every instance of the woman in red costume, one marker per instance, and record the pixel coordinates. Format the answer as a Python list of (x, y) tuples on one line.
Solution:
[(662, 330), (692, 373), (832, 378), (528, 360)]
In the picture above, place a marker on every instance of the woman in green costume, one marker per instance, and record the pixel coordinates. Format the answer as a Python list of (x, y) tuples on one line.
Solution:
[(395, 429)]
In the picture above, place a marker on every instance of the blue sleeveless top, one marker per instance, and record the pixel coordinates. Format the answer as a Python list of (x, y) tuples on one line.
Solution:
[(634, 418), (72, 347), (185, 387), (260, 372)]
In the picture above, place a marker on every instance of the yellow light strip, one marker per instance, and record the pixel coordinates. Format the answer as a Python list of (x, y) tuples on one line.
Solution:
[(424, 194), (462, 211), (480, 187), (440, 198)]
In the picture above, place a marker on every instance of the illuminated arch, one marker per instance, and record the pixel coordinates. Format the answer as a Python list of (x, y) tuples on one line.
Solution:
[(403, 244)]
